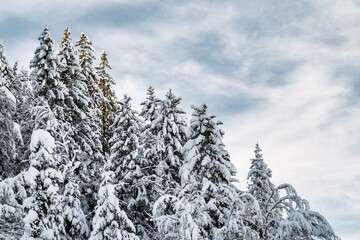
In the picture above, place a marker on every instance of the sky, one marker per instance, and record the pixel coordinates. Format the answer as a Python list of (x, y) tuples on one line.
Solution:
[(281, 73)]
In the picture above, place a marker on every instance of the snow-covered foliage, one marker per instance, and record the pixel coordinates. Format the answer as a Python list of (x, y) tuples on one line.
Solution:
[(6, 72), (10, 135), (172, 134), (108, 105), (110, 221), (76, 163), (43, 208), (84, 136)]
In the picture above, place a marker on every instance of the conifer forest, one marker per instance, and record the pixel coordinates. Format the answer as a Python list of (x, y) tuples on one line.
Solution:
[(77, 162)]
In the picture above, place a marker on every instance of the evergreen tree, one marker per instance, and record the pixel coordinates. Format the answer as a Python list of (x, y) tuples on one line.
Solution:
[(262, 189), (86, 59), (6, 72), (84, 136), (151, 106), (46, 75), (286, 217), (10, 136), (207, 173), (74, 219), (108, 104), (173, 134), (43, 218), (11, 224), (110, 221), (130, 167)]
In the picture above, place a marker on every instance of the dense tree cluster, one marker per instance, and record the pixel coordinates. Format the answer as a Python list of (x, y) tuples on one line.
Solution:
[(77, 163)]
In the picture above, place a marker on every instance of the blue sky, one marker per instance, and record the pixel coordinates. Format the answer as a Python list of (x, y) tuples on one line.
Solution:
[(284, 73)]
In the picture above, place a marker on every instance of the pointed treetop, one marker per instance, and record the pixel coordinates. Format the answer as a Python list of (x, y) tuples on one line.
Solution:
[(86, 51), (104, 62), (257, 151), (66, 37)]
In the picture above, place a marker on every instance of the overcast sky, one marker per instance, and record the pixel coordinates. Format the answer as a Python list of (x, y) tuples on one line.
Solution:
[(284, 73)]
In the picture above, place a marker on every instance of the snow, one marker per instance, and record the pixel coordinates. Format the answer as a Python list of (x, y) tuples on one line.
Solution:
[(42, 138), (8, 94)]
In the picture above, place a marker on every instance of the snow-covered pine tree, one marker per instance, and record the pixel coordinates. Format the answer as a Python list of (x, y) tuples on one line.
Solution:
[(130, 167), (110, 221), (11, 224), (150, 107), (6, 72), (108, 104), (263, 190), (285, 215), (172, 135), (45, 74), (207, 174), (84, 138), (86, 59), (75, 223), (10, 136), (43, 218)]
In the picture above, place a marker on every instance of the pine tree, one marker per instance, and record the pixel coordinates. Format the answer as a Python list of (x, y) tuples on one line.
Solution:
[(285, 217), (108, 104), (207, 173), (74, 218), (151, 105), (43, 208), (173, 135), (10, 135), (6, 72), (86, 59), (46, 74), (130, 167), (262, 189), (110, 221), (84, 136)]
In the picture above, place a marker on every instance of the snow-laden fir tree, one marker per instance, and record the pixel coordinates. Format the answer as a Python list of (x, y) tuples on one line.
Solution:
[(110, 221), (11, 224), (10, 136), (130, 167), (285, 215), (6, 72), (263, 190), (108, 104), (75, 223), (84, 136), (43, 218), (207, 174), (46, 75), (151, 106), (172, 135), (86, 59)]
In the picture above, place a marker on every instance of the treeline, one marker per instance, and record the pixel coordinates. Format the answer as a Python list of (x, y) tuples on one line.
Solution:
[(77, 163)]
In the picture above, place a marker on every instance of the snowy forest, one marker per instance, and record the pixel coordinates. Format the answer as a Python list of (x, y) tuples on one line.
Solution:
[(76, 162)]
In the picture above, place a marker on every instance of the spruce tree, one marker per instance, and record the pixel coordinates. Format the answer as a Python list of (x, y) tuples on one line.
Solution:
[(150, 107), (108, 104), (130, 167), (10, 135), (75, 223), (207, 173), (262, 189), (84, 137), (173, 135), (43, 218), (110, 221), (86, 59), (6, 72), (284, 215)]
